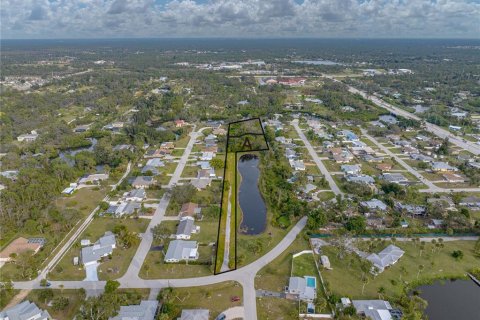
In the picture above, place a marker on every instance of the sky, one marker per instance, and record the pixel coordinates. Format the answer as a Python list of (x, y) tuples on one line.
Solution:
[(50, 19)]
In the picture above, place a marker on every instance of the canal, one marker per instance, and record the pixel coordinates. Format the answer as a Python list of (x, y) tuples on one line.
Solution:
[(250, 199), (458, 299)]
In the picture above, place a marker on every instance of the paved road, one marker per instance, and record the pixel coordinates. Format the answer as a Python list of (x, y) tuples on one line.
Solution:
[(234, 313), (316, 159), (436, 130), (427, 182), (78, 232), (245, 276), (159, 215), (226, 252)]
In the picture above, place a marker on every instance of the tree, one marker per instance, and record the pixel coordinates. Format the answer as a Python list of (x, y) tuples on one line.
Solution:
[(317, 219), (356, 224), (457, 254), (45, 295), (184, 193), (60, 303), (420, 269), (217, 163), (111, 286)]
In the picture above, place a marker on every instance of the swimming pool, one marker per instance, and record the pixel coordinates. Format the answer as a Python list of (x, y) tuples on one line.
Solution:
[(311, 282)]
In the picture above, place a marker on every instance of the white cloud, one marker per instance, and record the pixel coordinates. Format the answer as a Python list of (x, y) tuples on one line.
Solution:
[(249, 18)]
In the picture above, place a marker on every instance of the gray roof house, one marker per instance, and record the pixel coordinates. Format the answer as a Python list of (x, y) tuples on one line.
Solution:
[(388, 119), (25, 310), (472, 202), (302, 288), (360, 179), (142, 182), (146, 310), (186, 228), (136, 195), (102, 248), (152, 169), (410, 208), (195, 314), (385, 258), (374, 204), (179, 250), (351, 168), (442, 167), (395, 177), (374, 309)]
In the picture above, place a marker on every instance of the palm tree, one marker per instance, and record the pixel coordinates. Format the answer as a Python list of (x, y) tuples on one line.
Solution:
[(420, 269), (380, 292)]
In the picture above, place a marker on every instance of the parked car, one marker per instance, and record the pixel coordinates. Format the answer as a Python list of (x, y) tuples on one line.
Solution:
[(221, 316), (235, 298)]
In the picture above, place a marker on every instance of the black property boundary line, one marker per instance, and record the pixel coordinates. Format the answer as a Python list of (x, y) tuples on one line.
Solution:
[(236, 196)]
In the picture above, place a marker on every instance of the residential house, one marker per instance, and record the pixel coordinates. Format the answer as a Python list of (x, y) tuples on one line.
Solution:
[(195, 314), (341, 155), (82, 128), (362, 179), (388, 119), (102, 248), (421, 157), (186, 227), (442, 167), (10, 174), (93, 178), (297, 165), (123, 208), (415, 210), (121, 147), (167, 145), (25, 310), (155, 162), (181, 250), (302, 288), (206, 174), (143, 182), (436, 224), (180, 123), (28, 137), (146, 310), (207, 156), (153, 170), (347, 136), (370, 158), (351, 169), (395, 177), (137, 195), (114, 126), (374, 205), (376, 310), (190, 209), (385, 258), (204, 165), (19, 246), (290, 153), (325, 262), (384, 167), (200, 184), (471, 202)]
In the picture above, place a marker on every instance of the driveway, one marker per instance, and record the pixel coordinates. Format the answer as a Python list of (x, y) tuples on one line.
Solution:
[(91, 271)]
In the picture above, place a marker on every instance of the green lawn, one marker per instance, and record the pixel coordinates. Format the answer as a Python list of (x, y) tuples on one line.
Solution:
[(110, 268), (74, 297), (216, 298), (345, 278), (276, 309)]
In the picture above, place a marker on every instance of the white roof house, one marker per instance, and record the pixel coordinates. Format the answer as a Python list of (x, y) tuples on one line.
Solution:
[(373, 309), (442, 167), (365, 179), (179, 250), (25, 310), (388, 119), (394, 177), (146, 310), (136, 195), (297, 165), (195, 314), (207, 156), (374, 204), (155, 162), (303, 288), (28, 137), (102, 248), (351, 169), (385, 258)]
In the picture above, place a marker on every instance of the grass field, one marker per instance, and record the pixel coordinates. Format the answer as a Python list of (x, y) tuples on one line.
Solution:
[(109, 269), (345, 278), (216, 298), (74, 297), (276, 309)]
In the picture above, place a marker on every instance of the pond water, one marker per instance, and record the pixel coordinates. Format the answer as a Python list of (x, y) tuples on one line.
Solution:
[(459, 299), (318, 62), (68, 155), (250, 199)]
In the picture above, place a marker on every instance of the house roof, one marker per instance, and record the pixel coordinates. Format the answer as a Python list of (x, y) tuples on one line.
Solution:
[(25, 310), (142, 181), (374, 309), (137, 193), (102, 247), (180, 249), (195, 314), (374, 204), (386, 257), (146, 310), (185, 227), (188, 208)]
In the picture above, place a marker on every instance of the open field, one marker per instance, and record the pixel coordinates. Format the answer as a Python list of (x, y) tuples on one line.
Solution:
[(109, 269), (276, 309), (216, 298), (345, 278), (74, 297)]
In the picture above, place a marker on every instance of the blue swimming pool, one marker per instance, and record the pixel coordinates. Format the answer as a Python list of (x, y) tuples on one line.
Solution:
[(311, 282)]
